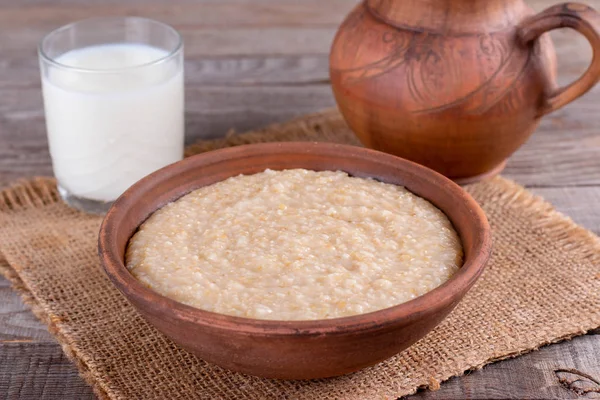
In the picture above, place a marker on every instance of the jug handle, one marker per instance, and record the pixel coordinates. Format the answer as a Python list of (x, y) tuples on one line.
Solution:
[(581, 18)]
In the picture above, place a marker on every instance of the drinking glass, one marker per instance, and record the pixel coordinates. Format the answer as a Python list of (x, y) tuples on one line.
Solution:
[(114, 105)]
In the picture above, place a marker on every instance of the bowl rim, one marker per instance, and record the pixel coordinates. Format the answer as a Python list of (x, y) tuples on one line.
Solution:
[(407, 312)]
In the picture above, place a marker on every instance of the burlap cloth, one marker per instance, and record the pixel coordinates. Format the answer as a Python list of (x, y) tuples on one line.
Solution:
[(541, 286)]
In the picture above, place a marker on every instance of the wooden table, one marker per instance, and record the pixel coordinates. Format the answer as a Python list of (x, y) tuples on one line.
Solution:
[(250, 63)]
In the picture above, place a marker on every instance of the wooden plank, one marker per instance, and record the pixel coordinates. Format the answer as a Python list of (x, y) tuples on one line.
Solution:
[(19, 105), (206, 42), (293, 70), (563, 152), (197, 12), (533, 376), (274, 63), (17, 323), (22, 70), (579, 203), (192, 14), (211, 111), (39, 371), (75, 3)]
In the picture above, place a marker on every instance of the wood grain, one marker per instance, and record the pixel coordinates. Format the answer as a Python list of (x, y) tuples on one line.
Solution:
[(195, 15), (283, 70), (17, 323), (579, 203), (39, 371), (532, 376), (250, 63)]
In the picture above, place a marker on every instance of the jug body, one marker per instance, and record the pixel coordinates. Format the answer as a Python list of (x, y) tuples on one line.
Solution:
[(451, 84)]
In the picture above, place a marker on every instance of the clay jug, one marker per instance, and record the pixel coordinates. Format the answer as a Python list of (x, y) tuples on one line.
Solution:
[(456, 85)]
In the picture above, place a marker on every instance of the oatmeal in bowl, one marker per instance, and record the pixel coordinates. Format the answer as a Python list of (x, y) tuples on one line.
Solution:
[(295, 245)]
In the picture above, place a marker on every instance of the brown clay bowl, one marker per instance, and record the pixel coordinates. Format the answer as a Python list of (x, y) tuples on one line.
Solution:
[(293, 349)]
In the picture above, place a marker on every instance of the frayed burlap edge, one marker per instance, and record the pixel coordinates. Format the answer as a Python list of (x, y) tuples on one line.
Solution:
[(570, 236), (21, 195), (324, 126)]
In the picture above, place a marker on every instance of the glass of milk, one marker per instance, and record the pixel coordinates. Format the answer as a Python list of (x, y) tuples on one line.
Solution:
[(114, 103)]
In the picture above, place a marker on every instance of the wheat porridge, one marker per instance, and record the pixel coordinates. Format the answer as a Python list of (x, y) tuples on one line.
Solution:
[(295, 245)]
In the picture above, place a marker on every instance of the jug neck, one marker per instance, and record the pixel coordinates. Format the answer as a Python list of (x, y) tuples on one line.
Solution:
[(450, 16)]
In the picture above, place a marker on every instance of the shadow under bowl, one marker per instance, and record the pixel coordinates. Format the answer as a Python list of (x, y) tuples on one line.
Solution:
[(293, 349)]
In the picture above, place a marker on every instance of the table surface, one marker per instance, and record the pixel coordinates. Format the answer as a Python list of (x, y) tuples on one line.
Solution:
[(250, 63)]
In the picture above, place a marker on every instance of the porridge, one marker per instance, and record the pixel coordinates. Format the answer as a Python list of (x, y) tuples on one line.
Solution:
[(295, 245)]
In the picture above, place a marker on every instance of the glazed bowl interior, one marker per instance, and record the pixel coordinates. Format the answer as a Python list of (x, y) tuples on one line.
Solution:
[(176, 180)]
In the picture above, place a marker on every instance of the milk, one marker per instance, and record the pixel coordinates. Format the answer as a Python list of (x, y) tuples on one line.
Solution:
[(110, 122)]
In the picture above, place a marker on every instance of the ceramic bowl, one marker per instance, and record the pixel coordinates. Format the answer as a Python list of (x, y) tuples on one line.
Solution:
[(293, 349)]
